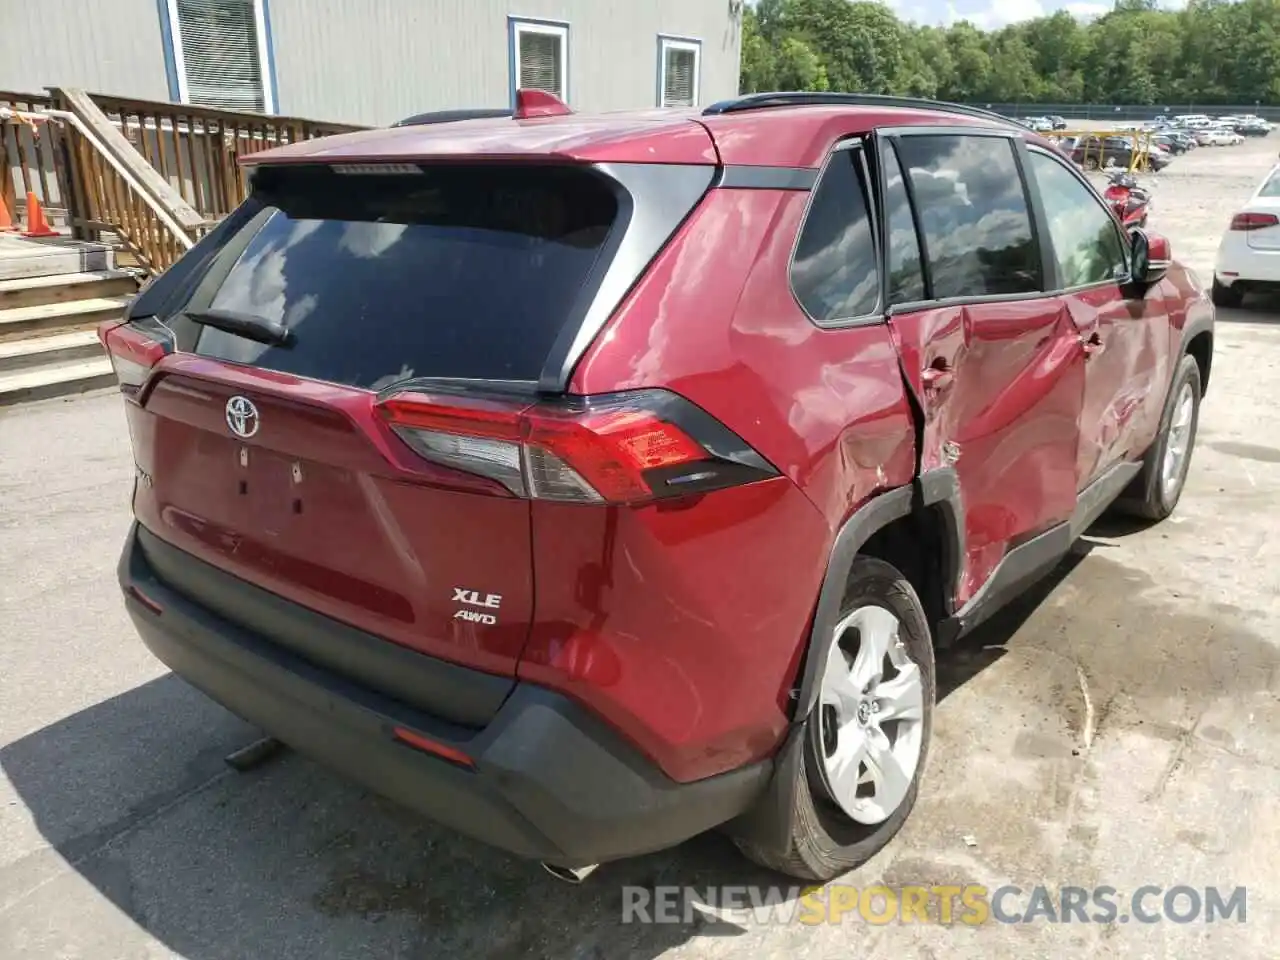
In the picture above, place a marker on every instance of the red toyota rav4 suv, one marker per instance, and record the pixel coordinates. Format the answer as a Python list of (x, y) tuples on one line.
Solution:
[(585, 483)]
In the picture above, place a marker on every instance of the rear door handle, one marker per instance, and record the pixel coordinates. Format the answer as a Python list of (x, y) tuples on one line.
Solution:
[(1092, 345), (937, 376)]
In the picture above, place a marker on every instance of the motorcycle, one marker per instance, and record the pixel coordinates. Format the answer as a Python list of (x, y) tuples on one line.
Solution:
[(1131, 202)]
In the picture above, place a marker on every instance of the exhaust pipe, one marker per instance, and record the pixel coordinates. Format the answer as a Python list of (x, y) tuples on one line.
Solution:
[(573, 875)]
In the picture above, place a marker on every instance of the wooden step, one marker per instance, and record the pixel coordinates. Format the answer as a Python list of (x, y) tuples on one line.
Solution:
[(57, 348), (34, 291), (55, 380), (22, 257), (50, 318)]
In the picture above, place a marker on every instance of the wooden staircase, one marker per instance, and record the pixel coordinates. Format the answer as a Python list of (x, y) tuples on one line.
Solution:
[(133, 185), (51, 302)]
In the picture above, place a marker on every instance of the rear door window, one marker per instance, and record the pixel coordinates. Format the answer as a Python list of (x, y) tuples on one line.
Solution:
[(834, 274), (906, 277), (446, 271), (974, 216)]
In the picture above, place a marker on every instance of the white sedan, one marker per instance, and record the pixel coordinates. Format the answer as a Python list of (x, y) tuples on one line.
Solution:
[(1249, 255), (1218, 137)]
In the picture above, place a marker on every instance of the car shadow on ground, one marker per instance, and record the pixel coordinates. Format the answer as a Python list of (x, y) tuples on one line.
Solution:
[(289, 861), (1258, 310), (988, 642)]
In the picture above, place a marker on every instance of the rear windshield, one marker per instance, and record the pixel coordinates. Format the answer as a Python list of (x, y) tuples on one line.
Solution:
[(460, 272)]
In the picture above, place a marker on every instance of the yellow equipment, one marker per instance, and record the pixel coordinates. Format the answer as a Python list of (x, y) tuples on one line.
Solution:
[(1093, 156)]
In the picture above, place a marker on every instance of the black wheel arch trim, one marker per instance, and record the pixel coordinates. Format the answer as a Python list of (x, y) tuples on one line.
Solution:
[(940, 489), (935, 488), (768, 821), (1204, 322)]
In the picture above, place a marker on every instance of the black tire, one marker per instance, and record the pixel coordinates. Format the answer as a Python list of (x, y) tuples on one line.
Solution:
[(824, 842), (1231, 297), (1147, 497)]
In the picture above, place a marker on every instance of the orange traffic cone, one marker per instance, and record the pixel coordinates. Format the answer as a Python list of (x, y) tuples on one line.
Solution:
[(6, 219), (37, 225)]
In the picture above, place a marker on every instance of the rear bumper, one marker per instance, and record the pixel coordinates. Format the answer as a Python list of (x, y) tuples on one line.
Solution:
[(1238, 262), (549, 780)]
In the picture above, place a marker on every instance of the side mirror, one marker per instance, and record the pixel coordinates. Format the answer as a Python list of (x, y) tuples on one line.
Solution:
[(1151, 257)]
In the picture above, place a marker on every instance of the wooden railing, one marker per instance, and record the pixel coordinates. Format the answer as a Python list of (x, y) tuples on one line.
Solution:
[(118, 194), (31, 158), (197, 148), (150, 177)]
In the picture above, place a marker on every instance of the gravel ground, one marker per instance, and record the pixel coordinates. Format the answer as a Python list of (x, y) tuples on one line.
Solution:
[(1118, 727)]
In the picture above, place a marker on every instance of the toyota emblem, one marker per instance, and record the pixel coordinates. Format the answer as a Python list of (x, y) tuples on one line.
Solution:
[(242, 417)]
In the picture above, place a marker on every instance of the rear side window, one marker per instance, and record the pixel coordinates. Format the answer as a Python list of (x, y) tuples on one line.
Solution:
[(461, 272), (973, 212), (834, 273), (906, 278)]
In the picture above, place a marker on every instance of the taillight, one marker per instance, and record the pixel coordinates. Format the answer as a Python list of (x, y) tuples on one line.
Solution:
[(133, 350), (620, 448), (1254, 221)]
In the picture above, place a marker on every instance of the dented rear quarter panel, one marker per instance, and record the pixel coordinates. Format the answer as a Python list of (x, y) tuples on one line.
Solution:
[(1190, 310), (723, 608)]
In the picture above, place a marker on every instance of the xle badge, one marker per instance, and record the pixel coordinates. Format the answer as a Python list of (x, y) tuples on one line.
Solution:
[(474, 598)]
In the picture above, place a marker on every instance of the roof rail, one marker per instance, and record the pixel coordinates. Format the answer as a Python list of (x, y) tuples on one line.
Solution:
[(452, 116), (762, 101)]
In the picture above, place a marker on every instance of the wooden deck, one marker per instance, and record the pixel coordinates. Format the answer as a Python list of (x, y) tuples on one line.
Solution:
[(23, 257)]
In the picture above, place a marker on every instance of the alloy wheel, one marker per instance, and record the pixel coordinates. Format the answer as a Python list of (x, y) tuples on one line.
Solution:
[(871, 716), (1177, 450)]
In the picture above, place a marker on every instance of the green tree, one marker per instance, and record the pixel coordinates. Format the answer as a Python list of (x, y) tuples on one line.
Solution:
[(757, 70), (797, 67), (1213, 51), (971, 76)]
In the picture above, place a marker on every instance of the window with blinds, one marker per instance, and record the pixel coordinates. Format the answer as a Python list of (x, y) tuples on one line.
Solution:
[(542, 58), (679, 81), (219, 54)]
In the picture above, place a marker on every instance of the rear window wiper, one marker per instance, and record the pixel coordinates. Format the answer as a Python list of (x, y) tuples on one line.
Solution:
[(245, 325)]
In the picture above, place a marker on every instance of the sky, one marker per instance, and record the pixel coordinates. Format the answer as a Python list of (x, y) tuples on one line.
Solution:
[(997, 13)]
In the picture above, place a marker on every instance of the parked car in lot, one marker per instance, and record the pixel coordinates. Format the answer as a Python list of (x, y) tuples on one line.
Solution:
[(1253, 126), (1172, 143), (1248, 125), (586, 483), (1249, 253), (1218, 135), (1092, 153)]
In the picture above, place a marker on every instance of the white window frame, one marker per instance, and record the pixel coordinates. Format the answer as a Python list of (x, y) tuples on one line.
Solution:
[(690, 44), (521, 26), (264, 59)]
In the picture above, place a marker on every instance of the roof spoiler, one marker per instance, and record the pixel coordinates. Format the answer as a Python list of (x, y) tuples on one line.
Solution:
[(530, 104), (452, 116)]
